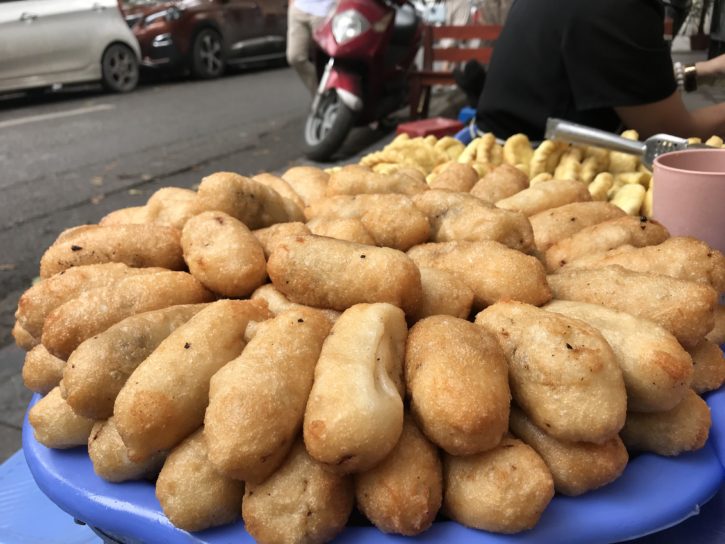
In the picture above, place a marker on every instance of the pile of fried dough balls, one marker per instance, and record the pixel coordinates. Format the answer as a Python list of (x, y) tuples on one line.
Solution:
[(291, 347), (610, 176)]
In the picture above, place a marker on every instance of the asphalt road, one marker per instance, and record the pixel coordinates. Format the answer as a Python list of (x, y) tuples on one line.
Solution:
[(70, 158)]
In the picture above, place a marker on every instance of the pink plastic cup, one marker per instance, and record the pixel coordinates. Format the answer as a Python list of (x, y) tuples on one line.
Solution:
[(689, 194)]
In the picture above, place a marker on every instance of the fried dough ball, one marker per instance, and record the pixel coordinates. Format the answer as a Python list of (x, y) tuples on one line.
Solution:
[(504, 490), (134, 245), (223, 254), (403, 493), (577, 467), (562, 372), (56, 425), (457, 382), (354, 414), (193, 495), (501, 182), (42, 371), (684, 428), (685, 308), (301, 502)]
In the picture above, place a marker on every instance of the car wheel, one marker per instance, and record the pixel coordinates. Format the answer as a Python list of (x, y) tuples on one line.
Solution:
[(207, 59), (119, 68)]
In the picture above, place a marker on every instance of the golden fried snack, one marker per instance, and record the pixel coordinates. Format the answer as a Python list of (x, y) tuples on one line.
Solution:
[(623, 162), (717, 334), (403, 493), (457, 381), (307, 181), (678, 257), (570, 165), (391, 219), (501, 182), (253, 203), (556, 224), (193, 495), (454, 176), (350, 229), (257, 401), (270, 237), (599, 188), (591, 167), (99, 367), (517, 151), (443, 294), (577, 467), (546, 157), (134, 215), (353, 179), (491, 270), (135, 245), (461, 216), (223, 254), (301, 502), (684, 308), (420, 152), (482, 150), (55, 425), (23, 339), (684, 428), (657, 371), (327, 273), (281, 186), (540, 178), (164, 400), (451, 146), (544, 196), (714, 141), (504, 490), (109, 456), (173, 206), (354, 414), (42, 371), (630, 198), (709, 365), (41, 299), (278, 303), (601, 237), (94, 311), (562, 372)]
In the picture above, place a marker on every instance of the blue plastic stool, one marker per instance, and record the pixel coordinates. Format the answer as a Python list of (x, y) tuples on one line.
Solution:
[(27, 516)]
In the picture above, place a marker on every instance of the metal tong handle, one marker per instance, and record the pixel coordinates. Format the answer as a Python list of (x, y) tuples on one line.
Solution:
[(558, 129)]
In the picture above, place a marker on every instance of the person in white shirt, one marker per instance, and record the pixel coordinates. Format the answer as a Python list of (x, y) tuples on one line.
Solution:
[(303, 18)]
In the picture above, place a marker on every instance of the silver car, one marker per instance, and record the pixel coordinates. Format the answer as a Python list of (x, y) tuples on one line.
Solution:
[(50, 42)]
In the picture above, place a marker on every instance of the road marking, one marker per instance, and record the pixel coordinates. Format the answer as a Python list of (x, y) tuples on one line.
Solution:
[(55, 115)]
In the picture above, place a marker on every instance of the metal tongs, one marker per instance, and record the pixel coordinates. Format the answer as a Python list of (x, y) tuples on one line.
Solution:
[(649, 150)]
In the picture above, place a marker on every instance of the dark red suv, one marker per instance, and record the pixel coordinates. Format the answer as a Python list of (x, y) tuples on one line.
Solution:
[(207, 35)]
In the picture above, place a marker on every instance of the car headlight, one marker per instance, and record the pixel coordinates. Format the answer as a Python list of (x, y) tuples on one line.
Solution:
[(170, 14), (348, 24)]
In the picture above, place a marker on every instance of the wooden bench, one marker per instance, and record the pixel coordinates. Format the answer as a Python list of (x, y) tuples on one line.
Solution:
[(421, 81)]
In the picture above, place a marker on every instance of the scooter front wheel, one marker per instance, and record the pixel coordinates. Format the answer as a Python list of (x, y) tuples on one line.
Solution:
[(327, 127)]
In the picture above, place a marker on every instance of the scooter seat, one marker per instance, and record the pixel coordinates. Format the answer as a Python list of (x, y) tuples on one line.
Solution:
[(405, 25)]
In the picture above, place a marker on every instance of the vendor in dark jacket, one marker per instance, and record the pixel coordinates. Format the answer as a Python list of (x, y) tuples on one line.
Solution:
[(602, 63)]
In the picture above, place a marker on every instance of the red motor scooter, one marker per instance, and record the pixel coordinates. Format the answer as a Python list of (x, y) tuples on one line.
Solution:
[(366, 50)]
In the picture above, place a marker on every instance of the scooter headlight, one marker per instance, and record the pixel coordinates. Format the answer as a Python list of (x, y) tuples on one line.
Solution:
[(348, 24)]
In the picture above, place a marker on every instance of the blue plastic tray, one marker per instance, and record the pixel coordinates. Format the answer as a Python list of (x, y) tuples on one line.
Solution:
[(653, 493)]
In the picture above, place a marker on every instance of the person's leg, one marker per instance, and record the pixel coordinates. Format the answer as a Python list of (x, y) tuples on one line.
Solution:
[(299, 39)]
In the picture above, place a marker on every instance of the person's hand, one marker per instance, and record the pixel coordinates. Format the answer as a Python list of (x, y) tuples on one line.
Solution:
[(710, 70)]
